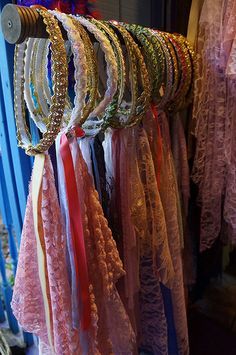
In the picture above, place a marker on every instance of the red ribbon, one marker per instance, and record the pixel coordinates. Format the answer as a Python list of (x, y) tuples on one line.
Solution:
[(76, 231), (79, 132), (159, 146)]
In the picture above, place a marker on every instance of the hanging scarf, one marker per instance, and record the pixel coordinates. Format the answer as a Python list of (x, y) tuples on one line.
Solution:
[(41, 296)]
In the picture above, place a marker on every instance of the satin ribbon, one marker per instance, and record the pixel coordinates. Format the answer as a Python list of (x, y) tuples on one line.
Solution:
[(76, 230), (159, 146), (37, 177)]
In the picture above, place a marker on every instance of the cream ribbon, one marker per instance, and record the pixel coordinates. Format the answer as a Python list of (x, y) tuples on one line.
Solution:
[(194, 16), (37, 177)]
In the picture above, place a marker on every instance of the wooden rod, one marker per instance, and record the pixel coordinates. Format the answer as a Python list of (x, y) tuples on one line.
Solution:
[(21, 22)]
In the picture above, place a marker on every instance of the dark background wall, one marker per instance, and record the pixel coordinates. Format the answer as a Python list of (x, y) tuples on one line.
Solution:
[(168, 15)]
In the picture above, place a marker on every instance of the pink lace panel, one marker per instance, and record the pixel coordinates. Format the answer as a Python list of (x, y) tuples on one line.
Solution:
[(214, 114), (27, 302), (112, 332), (212, 123), (170, 202)]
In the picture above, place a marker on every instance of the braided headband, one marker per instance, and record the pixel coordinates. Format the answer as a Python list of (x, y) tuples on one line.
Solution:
[(77, 47), (59, 69), (112, 73), (118, 97)]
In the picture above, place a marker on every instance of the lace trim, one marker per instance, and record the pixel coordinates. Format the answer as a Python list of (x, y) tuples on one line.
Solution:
[(27, 296), (111, 323), (156, 234), (212, 121), (170, 201)]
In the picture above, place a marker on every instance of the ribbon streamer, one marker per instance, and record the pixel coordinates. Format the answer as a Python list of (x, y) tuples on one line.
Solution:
[(37, 177), (76, 231)]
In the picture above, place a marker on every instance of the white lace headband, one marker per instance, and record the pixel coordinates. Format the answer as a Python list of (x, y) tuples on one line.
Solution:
[(112, 73)]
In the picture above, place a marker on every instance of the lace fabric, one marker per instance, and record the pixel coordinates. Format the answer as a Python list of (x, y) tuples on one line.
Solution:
[(112, 332), (153, 325), (66, 223), (214, 164), (179, 151), (155, 261), (170, 202), (156, 234), (209, 113), (123, 177), (230, 191), (229, 42), (128, 203), (27, 302), (142, 237), (181, 168)]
